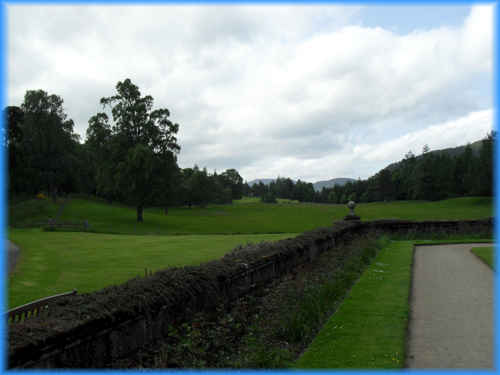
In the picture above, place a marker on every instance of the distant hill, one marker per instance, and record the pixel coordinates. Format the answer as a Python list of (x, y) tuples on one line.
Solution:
[(452, 151), (317, 185), (265, 181), (331, 183)]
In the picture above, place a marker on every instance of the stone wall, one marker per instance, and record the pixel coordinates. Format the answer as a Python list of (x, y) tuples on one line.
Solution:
[(91, 330)]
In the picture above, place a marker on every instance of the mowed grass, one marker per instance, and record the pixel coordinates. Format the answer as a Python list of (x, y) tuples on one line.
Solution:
[(486, 254), (369, 328), (249, 216), (55, 262)]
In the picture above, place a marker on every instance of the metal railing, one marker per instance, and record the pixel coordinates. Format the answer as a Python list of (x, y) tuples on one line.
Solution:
[(35, 308)]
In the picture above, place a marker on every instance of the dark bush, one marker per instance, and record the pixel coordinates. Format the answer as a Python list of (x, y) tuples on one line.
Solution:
[(269, 197)]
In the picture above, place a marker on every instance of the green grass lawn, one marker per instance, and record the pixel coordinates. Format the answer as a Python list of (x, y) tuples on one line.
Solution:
[(53, 262), (50, 261), (486, 254), (245, 216), (369, 328)]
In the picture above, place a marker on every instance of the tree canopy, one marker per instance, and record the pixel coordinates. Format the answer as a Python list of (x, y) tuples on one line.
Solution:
[(137, 150), (41, 145), (130, 156)]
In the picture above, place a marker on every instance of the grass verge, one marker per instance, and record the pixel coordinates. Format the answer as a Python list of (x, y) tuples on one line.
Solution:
[(369, 328), (453, 240), (52, 262), (486, 254)]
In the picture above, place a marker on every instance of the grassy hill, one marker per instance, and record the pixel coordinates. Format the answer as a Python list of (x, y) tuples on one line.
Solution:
[(451, 152), (247, 216)]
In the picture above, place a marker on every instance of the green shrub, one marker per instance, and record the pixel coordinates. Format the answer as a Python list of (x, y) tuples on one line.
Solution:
[(269, 198)]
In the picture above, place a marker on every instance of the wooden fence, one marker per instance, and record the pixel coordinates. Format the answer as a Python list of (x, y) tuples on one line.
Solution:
[(34, 308), (52, 224)]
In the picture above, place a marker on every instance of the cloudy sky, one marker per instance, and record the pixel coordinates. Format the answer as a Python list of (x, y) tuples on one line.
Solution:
[(311, 92)]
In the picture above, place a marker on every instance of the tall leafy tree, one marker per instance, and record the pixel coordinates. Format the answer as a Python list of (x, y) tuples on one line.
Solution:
[(259, 189), (198, 185), (142, 146), (13, 141), (385, 186), (233, 181), (221, 189), (48, 143), (469, 173), (104, 149), (425, 188), (303, 191), (486, 157)]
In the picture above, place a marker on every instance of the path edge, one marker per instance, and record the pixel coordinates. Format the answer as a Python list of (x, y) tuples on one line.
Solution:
[(410, 308)]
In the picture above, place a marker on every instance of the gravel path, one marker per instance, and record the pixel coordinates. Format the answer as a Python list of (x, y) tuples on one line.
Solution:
[(12, 255), (451, 318)]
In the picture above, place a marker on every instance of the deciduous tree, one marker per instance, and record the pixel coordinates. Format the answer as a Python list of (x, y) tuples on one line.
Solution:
[(142, 145), (48, 143)]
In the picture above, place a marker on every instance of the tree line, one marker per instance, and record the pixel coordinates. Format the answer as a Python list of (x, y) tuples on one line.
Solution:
[(130, 156), (429, 176), (284, 188)]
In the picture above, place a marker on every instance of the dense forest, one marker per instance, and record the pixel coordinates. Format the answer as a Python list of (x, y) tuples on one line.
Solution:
[(429, 176), (131, 157)]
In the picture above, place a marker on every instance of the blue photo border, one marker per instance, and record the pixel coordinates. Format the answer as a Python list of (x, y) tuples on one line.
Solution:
[(4, 177)]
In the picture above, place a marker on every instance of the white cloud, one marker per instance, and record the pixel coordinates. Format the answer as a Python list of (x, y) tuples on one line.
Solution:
[(477, 38), (269, 90), (467, 129), (357, 159)]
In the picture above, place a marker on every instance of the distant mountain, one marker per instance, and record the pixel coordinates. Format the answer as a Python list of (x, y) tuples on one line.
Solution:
[(265, 181), (317, 185), (331, 183)]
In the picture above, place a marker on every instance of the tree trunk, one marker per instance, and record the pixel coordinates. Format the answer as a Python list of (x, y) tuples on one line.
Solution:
[(139, 214)]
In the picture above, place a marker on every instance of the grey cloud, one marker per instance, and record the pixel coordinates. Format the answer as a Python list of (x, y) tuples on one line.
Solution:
[(265, 89)]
